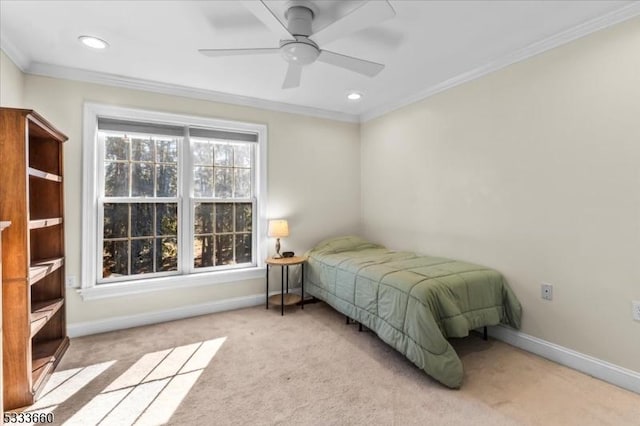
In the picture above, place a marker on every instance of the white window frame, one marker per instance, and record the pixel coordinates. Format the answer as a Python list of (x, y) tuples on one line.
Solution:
[(89, 288)]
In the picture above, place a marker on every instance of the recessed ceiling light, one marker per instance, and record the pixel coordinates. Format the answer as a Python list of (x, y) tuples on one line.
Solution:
[(354, 96), (93, 42)]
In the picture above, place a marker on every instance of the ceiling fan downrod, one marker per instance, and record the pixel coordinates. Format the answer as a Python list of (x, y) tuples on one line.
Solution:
[(299, 17)]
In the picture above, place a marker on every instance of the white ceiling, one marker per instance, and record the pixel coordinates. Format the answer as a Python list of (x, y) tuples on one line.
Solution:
[(427, 45)]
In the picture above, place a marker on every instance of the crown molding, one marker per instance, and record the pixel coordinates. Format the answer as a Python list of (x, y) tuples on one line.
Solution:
[(17, 57), (76, 74), (612, 18)]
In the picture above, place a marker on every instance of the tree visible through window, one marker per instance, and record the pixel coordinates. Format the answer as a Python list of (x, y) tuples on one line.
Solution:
[(140, 237), (223, 210)]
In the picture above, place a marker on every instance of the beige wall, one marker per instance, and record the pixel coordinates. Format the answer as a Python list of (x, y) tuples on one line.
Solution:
[(533, 170), (11, 83), (313, 181)]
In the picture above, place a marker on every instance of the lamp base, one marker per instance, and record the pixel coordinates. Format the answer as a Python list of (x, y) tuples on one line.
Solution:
[(277, 255)]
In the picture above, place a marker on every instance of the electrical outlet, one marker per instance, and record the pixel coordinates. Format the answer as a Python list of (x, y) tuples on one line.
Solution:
[(636, 309), (71, 281), (546, 291)]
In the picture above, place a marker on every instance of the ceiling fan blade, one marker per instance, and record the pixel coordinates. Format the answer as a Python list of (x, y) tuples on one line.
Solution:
[(350, 63), (367, 14), (292, 79), (237, 52), (263, 13)]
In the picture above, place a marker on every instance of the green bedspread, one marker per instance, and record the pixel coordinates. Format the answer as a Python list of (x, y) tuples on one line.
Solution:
[(412, 302)]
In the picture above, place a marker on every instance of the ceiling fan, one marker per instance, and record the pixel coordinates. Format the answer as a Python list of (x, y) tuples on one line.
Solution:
[(299, 46)]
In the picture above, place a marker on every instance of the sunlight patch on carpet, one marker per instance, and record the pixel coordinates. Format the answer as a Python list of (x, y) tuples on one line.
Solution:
[(64, 384), (150, 391)]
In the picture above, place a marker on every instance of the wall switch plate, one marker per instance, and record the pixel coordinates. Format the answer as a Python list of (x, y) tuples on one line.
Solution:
[(546, 291), (71, 281), (636, 309)]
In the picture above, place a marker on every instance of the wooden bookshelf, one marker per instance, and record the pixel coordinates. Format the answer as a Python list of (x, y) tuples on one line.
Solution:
[(3, 226), (33, 291)]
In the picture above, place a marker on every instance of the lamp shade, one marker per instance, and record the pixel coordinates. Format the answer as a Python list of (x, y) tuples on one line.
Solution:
[(278, 228)]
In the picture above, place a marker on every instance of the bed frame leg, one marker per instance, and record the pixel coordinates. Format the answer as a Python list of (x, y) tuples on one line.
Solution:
[(348, 321), (484, 333)]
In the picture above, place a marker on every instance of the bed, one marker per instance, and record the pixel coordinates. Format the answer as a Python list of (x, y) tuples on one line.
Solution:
[(412, 302)]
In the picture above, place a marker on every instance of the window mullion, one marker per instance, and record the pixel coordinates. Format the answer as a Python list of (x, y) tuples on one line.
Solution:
[(215, 234), (186, 207), (130, 166), (254, 227), (254, 205), (155, 239), (129, 241), (234, 231), (100, 246), (99, 260)]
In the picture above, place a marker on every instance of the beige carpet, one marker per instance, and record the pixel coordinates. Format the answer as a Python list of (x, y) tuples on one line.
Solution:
[(309, 367)]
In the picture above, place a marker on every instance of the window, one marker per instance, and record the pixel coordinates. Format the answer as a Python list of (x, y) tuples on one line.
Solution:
[(223, 202), (169, 195), (139, 234)]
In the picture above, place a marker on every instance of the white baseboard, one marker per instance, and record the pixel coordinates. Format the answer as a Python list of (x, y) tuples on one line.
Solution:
[(147, 318), (595, 367)]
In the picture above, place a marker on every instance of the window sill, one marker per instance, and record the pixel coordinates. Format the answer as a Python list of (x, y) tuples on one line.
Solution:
[(104, 291)]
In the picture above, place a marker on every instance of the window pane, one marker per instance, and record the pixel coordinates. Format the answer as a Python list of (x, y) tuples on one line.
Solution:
[(166, 151), (224, 249), (116, 148), (142, 256), (242, 155), (203, 218), (243, 248), (142, 149), (115, 258), (142, 180), (116, 180), (167, 219), (166, 254), (224, 182), (223, 154), (142, 220), (224, 217), (242, 183), (244, 217), (203, 181), (202, 252), (116, 220), (203, 153), (167, 180)]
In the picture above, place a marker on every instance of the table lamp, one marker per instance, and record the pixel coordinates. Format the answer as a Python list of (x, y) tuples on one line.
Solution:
[(278, 228)]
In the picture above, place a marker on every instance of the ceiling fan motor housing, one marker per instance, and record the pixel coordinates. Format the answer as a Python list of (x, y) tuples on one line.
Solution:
[(302, 51)]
